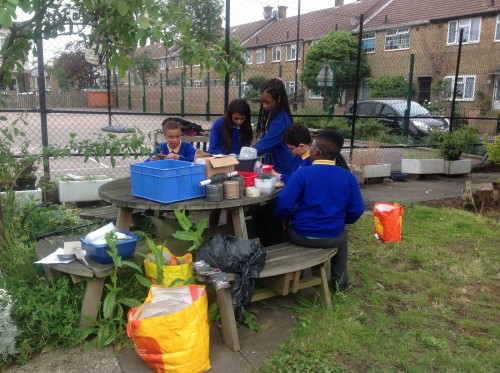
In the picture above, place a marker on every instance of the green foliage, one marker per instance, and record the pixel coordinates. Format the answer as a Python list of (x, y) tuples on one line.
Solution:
[(145, 65), (493, 150), (339, 46), (371, 129), (191, 231), (451, 144), (252, 92), (207, 22), (72, 71), (224, 63), (389, 86)]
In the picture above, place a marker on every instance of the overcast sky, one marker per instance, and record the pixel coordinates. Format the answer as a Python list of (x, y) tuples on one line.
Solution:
[(245, 11)]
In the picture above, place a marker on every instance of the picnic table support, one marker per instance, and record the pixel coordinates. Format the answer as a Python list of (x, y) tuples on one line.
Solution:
[(240, 227), (91, 301), (124, 218)]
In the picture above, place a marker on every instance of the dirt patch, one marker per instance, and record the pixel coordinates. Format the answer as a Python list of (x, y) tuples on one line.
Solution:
[(457, 203)]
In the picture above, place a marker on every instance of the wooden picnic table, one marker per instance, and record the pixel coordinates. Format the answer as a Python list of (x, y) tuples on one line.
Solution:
[(118, 192)]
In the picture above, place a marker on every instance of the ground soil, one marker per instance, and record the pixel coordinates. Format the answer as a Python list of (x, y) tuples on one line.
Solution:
[(457, 203)]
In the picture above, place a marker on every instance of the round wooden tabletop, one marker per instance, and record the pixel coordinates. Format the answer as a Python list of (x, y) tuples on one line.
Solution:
[(118, 192)]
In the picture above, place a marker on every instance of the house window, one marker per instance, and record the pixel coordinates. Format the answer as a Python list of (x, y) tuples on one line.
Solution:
[(471, 27), (497, 29), (248, 57), (465, 87), (368, 42), (177, 63), (198, 84), (290, 86), (169, 63), (315, 95), (276, 54), (2, 40), (260, 55), (397, 39), (291, 52)]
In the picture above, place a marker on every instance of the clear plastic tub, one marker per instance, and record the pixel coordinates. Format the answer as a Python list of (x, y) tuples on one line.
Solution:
[(247, 152), (266, 186)]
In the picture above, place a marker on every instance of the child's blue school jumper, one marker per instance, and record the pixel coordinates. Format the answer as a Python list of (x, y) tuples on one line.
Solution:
[(186, 151), (298, 162), (216, 138)]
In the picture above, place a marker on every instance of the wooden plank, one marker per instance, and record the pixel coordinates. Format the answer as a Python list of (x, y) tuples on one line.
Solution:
[(105, 212), (91, 301), (279, 284), (229, 327)]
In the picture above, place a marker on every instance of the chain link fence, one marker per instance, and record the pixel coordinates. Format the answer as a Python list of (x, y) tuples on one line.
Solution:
[(458, 81)]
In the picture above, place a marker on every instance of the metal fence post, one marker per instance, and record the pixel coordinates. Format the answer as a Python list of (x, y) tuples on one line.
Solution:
[(333, 97), (143, 93), (129, 93), (356, 86), (207, 106), (280, 70), (161, 95), (183, 78), (116, 89), (406, 121), (43, 103), (454, 98), (238, 77)]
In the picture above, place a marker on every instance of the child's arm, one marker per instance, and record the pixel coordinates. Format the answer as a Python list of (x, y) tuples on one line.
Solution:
[(187, 152), (273, 136), (215, 146)]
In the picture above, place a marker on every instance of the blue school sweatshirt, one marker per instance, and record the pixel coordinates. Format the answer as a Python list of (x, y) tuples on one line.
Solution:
[(320, 199), (298, 162), (272, 144), (216, 138), (186, 151)]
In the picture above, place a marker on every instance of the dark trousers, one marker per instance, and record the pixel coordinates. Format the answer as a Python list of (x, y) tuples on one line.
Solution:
[(268, 227), (338, 263)]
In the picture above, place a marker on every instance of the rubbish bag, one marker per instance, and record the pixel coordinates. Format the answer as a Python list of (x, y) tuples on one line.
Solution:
[(175, 268), (236, 255), (170, 330), (187, 128), (388, 219)]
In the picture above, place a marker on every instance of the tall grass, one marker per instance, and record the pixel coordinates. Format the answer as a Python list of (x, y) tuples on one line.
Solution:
[(428, 304)]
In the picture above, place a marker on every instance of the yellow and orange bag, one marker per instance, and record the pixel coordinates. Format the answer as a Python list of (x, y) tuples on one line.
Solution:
[(179, 268), (170, 329), (388, 221)]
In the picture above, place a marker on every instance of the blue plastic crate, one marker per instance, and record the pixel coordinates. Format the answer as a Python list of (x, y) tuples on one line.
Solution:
[(167, 181), (99, 253)]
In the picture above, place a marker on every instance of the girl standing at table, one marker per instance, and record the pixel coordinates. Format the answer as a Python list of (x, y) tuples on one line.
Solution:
[(276, 114), (232, 131)]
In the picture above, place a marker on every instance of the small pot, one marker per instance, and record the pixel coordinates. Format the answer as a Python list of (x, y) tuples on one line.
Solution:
[(26, 183)]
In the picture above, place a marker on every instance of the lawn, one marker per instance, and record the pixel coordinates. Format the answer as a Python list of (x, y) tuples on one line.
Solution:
[(428, 304)]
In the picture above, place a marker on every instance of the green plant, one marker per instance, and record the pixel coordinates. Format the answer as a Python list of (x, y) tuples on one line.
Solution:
[(191, 231), (493, 150), (389, 86), (451, 144)]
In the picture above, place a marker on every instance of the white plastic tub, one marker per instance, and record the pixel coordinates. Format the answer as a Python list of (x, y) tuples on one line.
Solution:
[(266, 186)]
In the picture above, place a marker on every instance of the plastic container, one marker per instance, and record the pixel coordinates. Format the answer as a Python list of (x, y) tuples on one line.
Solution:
[(248, 153), (257, 167), (267, 168), (266, 186), (398, 176), (245, 165), (167, 181), (248, 177), (99, 254)]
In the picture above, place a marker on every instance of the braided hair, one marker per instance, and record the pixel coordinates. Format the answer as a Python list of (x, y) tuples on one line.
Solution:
[(276, 88)]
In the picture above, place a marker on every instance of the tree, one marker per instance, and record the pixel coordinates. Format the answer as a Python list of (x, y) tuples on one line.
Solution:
[(72, 71), (145, 65), (207, 22), (389, 86), (339, 46)]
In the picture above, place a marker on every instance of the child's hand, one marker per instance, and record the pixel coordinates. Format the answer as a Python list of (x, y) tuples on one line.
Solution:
[(172, 156), (157, 157)]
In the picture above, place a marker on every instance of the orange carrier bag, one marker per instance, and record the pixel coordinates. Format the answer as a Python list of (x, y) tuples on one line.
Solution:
[(388, 221), (170, 329), (176, 273)]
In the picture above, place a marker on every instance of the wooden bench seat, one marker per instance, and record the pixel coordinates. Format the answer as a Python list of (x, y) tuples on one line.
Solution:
[(281, 275)]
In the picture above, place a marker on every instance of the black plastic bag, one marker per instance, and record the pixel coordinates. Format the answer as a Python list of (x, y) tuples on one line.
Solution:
[(236, 255), (187, 128)]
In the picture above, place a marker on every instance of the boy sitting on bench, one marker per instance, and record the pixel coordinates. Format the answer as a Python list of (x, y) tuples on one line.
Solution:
[(319, 200)]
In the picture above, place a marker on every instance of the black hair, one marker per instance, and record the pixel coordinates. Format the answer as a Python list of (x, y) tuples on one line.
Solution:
[(276, 88), (239, 106), (296, 134), (330, 143), (169, 124)]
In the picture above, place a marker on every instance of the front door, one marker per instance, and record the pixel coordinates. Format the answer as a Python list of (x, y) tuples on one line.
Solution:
[(424, 89), (496, 93)]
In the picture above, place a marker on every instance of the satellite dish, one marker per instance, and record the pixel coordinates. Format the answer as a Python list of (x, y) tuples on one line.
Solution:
[(34, 72)]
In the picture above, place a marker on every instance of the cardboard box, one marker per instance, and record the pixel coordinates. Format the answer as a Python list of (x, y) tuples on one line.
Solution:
[(217, 164)]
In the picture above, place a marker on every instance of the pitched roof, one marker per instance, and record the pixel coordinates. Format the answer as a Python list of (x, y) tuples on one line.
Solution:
[(410, 12), (313, 25)]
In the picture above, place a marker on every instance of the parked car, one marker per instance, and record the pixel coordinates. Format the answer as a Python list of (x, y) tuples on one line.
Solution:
[(391, 112)]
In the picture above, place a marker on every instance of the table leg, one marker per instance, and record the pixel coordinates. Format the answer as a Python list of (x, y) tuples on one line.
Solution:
[(91, 301), (239, 223), (124, 218)]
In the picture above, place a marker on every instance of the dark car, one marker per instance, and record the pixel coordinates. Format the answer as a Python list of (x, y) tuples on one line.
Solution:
[(391, 112)]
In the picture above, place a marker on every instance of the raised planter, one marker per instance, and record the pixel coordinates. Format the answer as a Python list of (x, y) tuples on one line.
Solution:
[(100, 98), (81, 190), (462, 166), (377, 170), (422, 166), (28, 196)]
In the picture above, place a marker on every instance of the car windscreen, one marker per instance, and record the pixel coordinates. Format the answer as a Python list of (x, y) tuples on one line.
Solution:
[(415, 111)]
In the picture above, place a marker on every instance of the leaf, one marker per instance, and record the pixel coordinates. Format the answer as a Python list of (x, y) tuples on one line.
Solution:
[(122, 7), (183, 235), (132, 265), (109, 305), (182, 219), (129, 302), (143, 280), (5, 19)]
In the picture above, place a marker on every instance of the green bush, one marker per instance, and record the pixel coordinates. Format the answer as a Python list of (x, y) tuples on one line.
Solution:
[(493, 150), (372, 129), (451, 144)]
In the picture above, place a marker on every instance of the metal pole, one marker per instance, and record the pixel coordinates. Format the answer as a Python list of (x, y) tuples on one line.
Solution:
[(129, 93), (143, 92), (333, 97), (183, 78), (324, 87), (280, 70), (207, 108), (108, 88), (454, 98), (295, 93), (239, 82), (227, 45), (42, 102), (406, 121), (356, 82), (161, 95)]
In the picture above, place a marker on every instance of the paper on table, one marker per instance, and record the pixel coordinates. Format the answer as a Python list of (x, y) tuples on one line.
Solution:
[(54, 259)]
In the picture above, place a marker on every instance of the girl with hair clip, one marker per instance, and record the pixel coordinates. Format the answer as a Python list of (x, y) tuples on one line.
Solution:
[(232, 131), (275, 113)]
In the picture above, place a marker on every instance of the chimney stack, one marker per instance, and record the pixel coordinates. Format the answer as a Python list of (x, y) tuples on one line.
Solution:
[(339, 3), (268, 10), (282, 12)]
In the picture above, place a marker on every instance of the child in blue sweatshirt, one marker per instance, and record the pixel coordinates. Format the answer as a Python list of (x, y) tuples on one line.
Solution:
[(319, 200), (174, 148)]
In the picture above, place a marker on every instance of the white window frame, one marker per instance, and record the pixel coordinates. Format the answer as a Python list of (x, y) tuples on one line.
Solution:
[(394, 39), (177, 60), (290, 86), (369, 36), (2, 40), (249, 57), (260, 56), (291, 50), (198, 83), (463, 80), (497, 29), (163, 63), (315, 96), (276, 54), (470, 36)]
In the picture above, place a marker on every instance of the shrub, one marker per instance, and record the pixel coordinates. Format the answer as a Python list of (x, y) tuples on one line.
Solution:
[(493, 150), (451, 144)]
